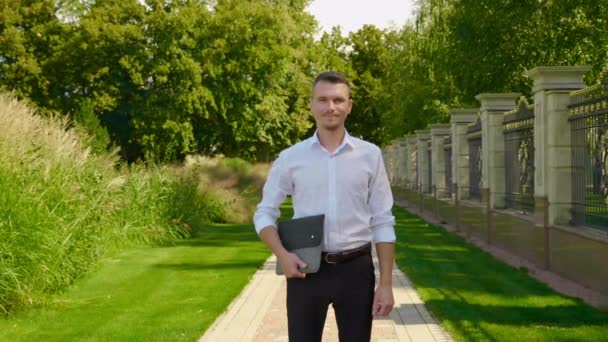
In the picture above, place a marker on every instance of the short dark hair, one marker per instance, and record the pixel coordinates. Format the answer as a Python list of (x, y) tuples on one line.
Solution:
[(332, 77)]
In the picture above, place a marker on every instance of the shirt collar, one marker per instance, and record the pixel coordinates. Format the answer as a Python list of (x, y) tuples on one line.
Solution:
[(348, 141)]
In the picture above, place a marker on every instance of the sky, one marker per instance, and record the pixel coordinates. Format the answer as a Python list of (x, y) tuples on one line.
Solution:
[(351, 15)]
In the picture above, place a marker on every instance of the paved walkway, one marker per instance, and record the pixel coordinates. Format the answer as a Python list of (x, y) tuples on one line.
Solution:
[(258, 314)]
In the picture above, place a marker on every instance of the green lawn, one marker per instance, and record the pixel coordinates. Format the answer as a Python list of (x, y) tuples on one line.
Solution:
[(479, 298), (170, 293), (174, 293)]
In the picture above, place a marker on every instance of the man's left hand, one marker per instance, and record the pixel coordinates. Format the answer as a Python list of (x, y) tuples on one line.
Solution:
[(383, 301)]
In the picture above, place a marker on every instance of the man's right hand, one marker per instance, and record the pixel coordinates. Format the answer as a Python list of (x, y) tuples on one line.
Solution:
[(291, 264)]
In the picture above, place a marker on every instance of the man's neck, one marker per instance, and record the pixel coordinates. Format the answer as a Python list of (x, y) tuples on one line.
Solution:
[(331, 140)]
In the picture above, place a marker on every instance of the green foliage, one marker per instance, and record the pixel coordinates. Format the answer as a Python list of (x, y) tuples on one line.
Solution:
[(370, 58), (192, 207), (332, 52), (459, 48), (167, 78), (173, 78), (364, 57), (258, 76), (62, 208), (491, 45), (30, 34), (86, 119), (236, 164)]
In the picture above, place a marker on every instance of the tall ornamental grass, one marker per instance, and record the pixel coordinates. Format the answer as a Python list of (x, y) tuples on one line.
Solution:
[(62, 207), (233, 181)]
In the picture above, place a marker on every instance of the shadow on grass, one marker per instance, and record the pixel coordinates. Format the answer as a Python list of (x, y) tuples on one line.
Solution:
[(208, 266), (219, 235), (548, 315), (226, 234)]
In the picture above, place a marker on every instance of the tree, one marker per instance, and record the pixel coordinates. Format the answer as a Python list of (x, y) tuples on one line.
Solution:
[(493, 42), (370, 57), (167, 78), (254, 65), (29, 35), (172, 95), (460, 48)]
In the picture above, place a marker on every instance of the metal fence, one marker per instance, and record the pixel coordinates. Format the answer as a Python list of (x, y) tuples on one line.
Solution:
[(430, 175), (589, 122), (447, 157), (414, 160), (518, 129), (475, 160)]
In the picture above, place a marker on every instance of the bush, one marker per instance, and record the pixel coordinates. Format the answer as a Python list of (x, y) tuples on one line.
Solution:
[(234, 182), (86, 118), (236, 164)]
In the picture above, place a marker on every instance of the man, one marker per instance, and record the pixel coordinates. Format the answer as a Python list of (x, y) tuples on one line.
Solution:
[(335, 174)]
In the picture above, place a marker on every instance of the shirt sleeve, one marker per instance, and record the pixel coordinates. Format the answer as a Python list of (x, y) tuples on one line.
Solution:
[(276, 189), (380, 202)]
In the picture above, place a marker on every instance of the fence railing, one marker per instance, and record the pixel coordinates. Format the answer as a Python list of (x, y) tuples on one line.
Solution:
[(429, 152), (475, 160), (414, 161), (447, 158), (555, 165), (589, 122), (518, 129)]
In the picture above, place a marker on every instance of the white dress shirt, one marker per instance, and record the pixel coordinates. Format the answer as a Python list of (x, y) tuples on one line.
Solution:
[(349, 186)]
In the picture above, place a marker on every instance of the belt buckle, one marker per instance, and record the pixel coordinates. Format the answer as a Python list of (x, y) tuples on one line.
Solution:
[(327, 260)]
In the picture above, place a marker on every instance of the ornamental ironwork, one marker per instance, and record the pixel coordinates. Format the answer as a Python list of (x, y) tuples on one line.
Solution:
[(526, 167), (588, 114), (518, 129)]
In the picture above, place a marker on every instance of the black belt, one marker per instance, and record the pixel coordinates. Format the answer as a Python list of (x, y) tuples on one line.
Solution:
[(336, 257)]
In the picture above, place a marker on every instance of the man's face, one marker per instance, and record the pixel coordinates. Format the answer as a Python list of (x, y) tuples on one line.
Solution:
[(330, 105)]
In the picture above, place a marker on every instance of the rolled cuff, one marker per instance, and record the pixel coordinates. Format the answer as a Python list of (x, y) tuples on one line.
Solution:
[(384, 234), (263, 222)]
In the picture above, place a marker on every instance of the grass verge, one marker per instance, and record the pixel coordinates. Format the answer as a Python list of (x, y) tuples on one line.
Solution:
[(479, 298), (169, 293)]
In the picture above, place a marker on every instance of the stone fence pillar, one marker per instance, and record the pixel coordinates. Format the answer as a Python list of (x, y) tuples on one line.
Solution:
[(492, 111), (460, 118), (552, 139), (423, 137), (388, 162), (438, 133)]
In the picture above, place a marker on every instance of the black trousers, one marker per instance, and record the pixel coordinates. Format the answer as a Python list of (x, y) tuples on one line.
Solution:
[(348, 286)]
